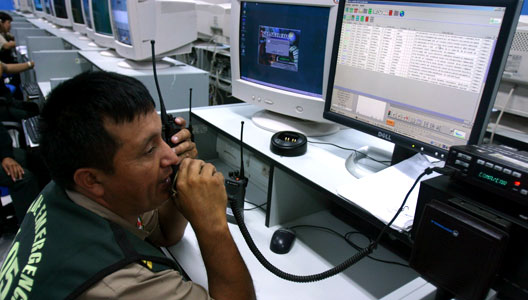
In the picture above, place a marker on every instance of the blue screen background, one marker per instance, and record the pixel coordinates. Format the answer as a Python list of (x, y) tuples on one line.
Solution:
[(312, 23)]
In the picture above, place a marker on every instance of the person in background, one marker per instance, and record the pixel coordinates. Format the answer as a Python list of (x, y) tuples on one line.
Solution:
[(93, 232), (23, 184), (13, 109), (7, 40), (8, 53)]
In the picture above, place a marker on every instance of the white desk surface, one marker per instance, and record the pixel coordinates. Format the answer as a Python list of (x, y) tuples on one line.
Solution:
[(67, 34), (313, 251), (110, 64), (314, 165), (45, 87)]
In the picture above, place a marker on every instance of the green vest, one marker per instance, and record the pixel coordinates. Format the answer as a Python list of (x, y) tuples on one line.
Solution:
[(62, 249)]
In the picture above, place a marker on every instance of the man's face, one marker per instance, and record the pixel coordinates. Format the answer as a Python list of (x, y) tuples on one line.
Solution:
[(142, 167), (5, 26)]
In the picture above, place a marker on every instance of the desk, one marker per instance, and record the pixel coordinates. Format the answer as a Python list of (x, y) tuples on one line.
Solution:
[(313, 176), (68, 35), (174, 81)]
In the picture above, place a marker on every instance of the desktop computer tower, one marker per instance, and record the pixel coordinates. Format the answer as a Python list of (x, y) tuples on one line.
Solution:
[(492, 234)]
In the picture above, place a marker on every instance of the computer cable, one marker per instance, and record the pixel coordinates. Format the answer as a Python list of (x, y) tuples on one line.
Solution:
[(501, 113), (385, 162), (348, 241), (255, 205)]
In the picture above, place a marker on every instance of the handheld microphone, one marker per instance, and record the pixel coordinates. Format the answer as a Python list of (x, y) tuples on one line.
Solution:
[(236, 184)]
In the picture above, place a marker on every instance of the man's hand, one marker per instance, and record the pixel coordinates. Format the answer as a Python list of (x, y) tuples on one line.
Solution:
[(12, 168), (9, 45), (185, 148), (202, 197)]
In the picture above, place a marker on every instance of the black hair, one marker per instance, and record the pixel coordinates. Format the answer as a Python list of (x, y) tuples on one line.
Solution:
[(72, 128), (5, 17)]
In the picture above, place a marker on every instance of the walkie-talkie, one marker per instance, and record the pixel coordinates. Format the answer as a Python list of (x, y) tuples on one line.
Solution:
[(236, 185), (190, 115), (168, 126)]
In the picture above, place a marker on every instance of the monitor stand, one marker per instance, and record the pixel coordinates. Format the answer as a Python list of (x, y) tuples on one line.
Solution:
[(275, 122), (108, 53), (361, 162), (143, 65)]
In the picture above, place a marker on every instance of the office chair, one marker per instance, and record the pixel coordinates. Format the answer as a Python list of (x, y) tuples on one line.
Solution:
[(8, 220)]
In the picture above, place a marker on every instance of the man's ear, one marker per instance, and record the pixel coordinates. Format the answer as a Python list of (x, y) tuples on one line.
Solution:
[(86, 181)]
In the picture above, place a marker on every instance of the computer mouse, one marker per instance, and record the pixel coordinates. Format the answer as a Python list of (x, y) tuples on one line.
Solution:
[(282, 240)]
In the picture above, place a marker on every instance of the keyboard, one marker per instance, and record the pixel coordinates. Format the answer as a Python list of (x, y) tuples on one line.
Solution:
[(32, 127), (31, 89)]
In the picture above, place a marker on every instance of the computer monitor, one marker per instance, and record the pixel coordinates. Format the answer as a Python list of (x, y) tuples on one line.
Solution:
[(23, 5), (420, 74), (77, 16), (280, 59), (38, 9), (171, 23), (62, 13), (214, 20), (48, 10), (87, 18), (103, 34)]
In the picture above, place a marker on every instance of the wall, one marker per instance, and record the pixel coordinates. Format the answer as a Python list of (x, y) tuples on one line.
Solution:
[(6, 5)]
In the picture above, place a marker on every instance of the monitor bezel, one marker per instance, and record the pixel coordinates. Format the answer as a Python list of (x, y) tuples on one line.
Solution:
[(500, 54), (103, 40), (286, 102)]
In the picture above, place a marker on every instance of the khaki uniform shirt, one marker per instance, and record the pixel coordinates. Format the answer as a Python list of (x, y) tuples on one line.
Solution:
[(2, 41), (135, 281)]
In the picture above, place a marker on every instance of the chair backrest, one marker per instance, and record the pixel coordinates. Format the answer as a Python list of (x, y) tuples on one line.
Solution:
[(16, 132)]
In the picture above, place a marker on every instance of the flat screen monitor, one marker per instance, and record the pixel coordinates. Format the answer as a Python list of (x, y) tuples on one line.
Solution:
[(62, 13), (172, 24), (420, 74), (77, 16), (280, 58), (102, 26)]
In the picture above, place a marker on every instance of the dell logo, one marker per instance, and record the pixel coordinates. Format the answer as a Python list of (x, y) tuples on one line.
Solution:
[(384, 135)]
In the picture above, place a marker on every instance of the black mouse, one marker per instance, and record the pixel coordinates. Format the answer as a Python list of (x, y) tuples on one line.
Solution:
[(282, 240)]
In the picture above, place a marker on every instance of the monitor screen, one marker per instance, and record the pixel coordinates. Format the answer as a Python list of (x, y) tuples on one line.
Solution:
[(47, 7), (86, 13), (101, 17), (283, 46), (280, 61), (38, 5), (76, 7), (60, 9), (421, 75), (120, 18)]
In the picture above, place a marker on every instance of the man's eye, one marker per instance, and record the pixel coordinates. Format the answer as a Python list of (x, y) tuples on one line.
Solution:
[(150, 150)]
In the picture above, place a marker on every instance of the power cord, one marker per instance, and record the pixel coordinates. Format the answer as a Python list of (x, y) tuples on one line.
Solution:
[(348, 241), (255, 205)]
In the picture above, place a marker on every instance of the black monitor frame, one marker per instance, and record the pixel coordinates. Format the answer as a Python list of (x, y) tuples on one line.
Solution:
[(500, 54)]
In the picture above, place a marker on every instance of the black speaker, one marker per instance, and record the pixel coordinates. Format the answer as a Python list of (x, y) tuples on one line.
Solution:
[(457, 252)]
